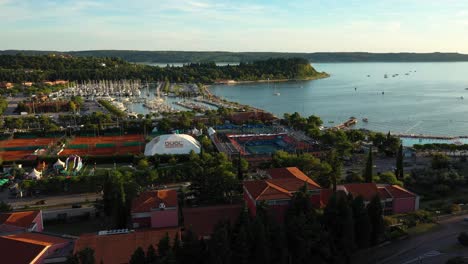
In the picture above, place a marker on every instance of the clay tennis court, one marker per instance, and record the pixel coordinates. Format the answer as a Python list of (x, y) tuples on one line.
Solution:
[(15, 154), (21, 142), (96, 146), (20, 148), (107, 139)]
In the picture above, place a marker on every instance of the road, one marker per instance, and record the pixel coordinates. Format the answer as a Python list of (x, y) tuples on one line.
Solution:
[(12, 105), (432, 248), (18, 203)]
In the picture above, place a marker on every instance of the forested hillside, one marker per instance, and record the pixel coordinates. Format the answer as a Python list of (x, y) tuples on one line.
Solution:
[(224, 56), (20, 68)]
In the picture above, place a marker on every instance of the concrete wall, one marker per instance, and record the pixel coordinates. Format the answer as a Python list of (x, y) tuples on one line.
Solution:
[(141, 222), (164, 218)]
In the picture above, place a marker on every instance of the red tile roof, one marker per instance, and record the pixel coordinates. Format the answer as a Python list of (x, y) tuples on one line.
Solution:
[(283, 183), (38, 238), (383, 193), (119, 248), (19, 252), (151, 199), (19, 219), (265, 190), (26, 247), (203, 220), (399, 192), (366, 190), (292, 173)]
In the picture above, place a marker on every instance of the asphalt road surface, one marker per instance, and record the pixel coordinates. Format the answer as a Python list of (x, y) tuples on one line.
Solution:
[(435, 247), (53, 200)]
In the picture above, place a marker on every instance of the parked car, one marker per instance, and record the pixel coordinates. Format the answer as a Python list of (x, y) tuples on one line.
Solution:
[(76, 206)]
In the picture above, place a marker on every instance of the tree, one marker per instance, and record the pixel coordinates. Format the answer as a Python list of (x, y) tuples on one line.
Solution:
[(72, 106), (240, 247), (192, 248), (151, 257), (339, 222), (143, 164), (303, 229), (389, 178), (138, 257), (164, 246), (440, 161), (368, 172), (5, 207), (84, 256), (219, 245), (361, 223), (260, 253), (337, 167), (399, 163), (375, 211)]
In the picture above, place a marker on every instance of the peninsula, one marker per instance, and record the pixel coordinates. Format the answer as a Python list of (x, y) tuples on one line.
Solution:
[(21, 68)]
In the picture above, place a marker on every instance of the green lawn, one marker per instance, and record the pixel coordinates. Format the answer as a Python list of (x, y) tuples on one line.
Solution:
[(77, 228)]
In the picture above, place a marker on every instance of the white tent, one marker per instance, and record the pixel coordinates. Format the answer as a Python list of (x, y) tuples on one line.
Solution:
[(172, 144), (35, 175), (211, 131), (59, 164)]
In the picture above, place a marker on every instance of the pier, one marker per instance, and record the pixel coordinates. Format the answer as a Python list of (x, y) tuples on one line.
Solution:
[(350, 122)]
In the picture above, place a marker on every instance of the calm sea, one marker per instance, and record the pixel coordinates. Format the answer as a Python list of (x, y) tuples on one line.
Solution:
[(424, 98)]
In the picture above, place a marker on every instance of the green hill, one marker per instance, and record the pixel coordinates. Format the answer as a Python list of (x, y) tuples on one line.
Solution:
[(224, 56)]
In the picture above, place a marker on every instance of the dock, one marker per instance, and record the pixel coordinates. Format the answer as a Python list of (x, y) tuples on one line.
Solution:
[(349, 123)]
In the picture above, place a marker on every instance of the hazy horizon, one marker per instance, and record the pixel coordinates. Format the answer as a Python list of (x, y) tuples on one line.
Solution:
[(413, 26)]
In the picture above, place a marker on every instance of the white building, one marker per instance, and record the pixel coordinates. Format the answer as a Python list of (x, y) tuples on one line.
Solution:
[(172, 144)]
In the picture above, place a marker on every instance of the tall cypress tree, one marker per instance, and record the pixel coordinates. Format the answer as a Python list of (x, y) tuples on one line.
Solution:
[(151, 257), (164, 246), (375, 211), (399, 163), (138, 256), (339, 223), (260, 250), (361, 223), (368, 172), (219, 245), (240, 247)]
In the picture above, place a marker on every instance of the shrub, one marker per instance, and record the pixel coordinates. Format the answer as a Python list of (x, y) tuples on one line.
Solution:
[(455, 208), (463, 239)]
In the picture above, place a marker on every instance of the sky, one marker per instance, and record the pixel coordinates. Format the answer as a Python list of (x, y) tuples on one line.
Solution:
[(236, 25)]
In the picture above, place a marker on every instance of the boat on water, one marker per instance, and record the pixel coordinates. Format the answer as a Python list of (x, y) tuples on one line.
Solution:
[(365, 120), (277, 94)]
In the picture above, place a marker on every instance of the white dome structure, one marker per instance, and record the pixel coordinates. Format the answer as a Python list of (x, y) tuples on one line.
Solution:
[(172, 144)]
